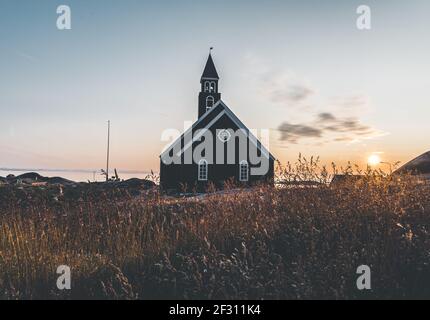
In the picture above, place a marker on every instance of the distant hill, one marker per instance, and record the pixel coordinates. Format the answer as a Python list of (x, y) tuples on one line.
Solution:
[(419, 165), (32, 176)]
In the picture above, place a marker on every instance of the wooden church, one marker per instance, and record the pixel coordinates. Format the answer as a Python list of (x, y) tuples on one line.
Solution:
[(231, 152)]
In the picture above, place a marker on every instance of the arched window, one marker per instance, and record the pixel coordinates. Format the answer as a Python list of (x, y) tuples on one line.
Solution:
[(243, 171), (209, 102), (203, 170), (207, 86), (212, 87)]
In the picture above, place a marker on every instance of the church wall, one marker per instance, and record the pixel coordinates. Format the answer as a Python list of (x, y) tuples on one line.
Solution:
[(172, 176)]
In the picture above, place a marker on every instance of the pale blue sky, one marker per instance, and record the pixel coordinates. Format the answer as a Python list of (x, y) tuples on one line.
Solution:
[(138, 63)]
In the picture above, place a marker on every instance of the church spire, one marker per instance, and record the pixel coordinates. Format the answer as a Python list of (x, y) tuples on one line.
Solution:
[(210, 70), (209, 94)]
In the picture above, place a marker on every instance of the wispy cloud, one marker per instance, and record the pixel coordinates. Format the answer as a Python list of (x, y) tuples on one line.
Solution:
[(329, 127), (291, 93), (26, 56), (293, 132), (282, 87)]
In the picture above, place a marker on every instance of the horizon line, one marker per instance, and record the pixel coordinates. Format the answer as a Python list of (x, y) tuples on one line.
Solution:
[(70, 170)]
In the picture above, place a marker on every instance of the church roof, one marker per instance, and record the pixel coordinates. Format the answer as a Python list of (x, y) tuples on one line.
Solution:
[(208, 120), (210, 70)]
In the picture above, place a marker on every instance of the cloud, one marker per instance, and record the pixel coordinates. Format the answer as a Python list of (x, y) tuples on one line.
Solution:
[(26, 56), (280, 86), (326, 116), (351, 101), (348, 125), (293, 132), (291, 93), (328, 127)]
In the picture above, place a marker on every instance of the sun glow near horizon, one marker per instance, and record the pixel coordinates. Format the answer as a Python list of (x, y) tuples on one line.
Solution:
[(374, 160)]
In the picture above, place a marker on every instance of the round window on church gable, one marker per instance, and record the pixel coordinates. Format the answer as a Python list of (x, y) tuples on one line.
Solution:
[(224, 135)]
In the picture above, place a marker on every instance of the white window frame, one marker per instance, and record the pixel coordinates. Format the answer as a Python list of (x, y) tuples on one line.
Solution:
[(207, 100), (244, 171), (202, 172)]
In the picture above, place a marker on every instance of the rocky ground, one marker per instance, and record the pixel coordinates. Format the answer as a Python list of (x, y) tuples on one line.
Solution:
[(32, 186)]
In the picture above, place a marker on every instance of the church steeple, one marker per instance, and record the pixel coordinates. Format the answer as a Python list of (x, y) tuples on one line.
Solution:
[(209, 94), (210, 70)]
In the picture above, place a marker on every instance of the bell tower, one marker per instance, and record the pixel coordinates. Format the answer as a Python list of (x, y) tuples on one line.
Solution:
[(209, 94)]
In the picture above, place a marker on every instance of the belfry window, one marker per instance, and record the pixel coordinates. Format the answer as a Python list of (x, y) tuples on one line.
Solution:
[(207, 87), (212, 87), (209, 102), (203, 170), (243, 171)]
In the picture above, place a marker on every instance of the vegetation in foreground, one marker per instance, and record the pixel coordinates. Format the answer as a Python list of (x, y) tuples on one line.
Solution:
[(301, 242)]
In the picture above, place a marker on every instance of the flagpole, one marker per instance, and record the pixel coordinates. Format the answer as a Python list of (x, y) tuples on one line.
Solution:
[(107, 156)]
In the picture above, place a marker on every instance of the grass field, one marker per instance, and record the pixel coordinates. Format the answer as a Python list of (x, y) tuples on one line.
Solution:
[(267, 243)]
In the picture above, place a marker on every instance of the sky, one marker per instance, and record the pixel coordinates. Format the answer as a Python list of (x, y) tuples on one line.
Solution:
[(301, 69)]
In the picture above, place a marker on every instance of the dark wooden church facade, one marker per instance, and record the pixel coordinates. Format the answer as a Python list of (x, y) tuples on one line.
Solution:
[(217, 118)]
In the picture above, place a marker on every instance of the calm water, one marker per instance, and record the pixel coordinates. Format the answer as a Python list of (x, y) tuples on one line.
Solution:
[(77, 176)]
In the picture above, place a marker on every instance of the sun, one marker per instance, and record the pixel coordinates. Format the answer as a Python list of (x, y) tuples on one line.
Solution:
[(374, 160)]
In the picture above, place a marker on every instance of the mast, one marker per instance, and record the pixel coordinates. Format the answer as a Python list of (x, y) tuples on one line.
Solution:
[(107, 156)]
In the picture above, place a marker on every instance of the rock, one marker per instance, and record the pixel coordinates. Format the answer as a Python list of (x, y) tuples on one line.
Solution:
[(137, 183), (59, 180), (419, 165)]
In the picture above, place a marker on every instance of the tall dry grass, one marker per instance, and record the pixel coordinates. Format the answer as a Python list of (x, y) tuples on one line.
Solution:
[(301, 242)]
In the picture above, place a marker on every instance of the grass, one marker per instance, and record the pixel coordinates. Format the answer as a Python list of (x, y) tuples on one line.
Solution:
[(267, 243)]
